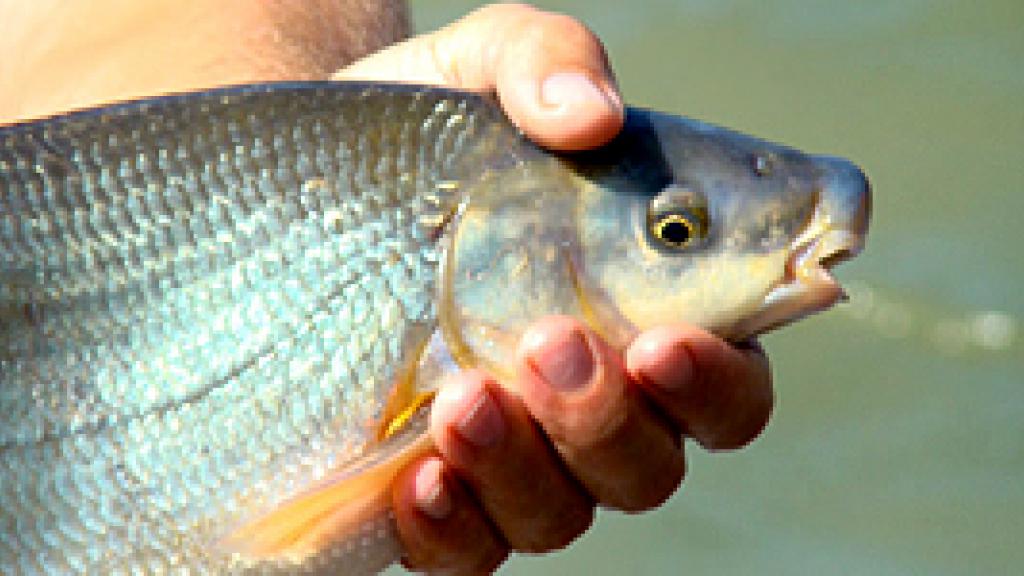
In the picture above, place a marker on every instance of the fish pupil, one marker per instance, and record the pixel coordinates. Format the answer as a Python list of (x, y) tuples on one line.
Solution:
[(675, 232)]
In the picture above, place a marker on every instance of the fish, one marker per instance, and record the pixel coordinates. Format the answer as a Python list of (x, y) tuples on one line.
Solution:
[(223, 314)]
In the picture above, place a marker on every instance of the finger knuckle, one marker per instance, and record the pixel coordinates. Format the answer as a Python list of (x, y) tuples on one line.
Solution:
[(481, 558), (569, 29), (539, 29), (505, 10), (655, 489), (742, 435), (487, 561), (555, 531), (739, 403), (746, 424), (557, 31), (590, 429)]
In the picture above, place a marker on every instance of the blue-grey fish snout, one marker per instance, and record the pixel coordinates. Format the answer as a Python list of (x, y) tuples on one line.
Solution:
[(845, 195)]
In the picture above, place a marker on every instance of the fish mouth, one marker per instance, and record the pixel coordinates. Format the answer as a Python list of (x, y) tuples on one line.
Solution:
[(807, 285), (836, 232)]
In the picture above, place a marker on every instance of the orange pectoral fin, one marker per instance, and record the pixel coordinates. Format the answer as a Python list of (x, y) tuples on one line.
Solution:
[(331, 512), (356, 496), (401, 417)]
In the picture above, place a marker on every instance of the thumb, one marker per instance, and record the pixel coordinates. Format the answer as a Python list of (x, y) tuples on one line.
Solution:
[(550, 73)]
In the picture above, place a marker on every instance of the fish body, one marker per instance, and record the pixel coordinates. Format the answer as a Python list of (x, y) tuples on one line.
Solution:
[(222, 314)]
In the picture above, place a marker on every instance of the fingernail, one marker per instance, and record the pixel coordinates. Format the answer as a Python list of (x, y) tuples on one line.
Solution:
[(563, 360), (571, 89), (430, 495), (482, 425)]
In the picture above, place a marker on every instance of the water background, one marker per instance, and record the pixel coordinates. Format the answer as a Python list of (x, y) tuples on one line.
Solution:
[(897, 446)]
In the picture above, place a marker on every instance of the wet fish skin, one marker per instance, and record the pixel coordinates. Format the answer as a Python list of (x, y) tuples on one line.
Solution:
[(205, 300)]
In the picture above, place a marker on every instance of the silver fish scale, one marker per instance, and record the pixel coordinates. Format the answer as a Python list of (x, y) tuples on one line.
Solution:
[(203, 301)]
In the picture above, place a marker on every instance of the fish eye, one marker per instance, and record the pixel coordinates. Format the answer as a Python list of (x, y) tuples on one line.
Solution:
[(678, 228)]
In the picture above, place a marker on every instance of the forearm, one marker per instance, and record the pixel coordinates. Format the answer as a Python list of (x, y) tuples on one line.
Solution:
[(61, 55)]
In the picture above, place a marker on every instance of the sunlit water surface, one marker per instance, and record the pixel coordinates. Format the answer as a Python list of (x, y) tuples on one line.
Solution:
[(897, 446)]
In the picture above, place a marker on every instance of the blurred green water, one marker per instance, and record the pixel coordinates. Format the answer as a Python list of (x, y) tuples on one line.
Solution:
[(898, 442)]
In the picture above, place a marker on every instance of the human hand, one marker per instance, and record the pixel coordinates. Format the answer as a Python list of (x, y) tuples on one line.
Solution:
[(591, 426), (550, 73)]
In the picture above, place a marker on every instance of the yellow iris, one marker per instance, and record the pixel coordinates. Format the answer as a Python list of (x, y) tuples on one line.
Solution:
[(678, 228)]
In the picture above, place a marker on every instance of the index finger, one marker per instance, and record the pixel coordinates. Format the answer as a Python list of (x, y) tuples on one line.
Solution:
[(550, 73)]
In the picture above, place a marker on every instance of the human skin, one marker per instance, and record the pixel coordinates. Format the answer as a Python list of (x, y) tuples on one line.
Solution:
[(590, 425)]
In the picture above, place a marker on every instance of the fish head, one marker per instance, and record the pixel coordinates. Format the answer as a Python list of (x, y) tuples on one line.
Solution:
[(683, 222)]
